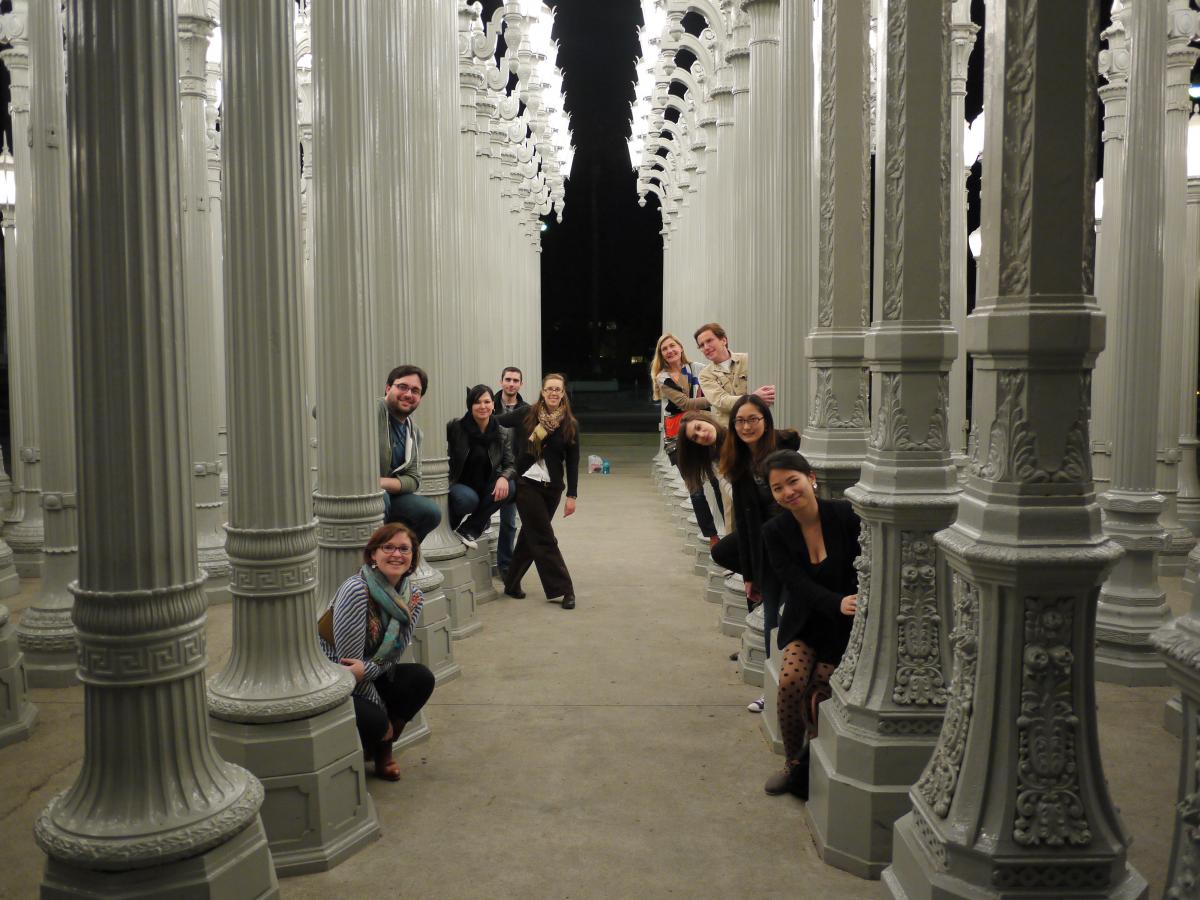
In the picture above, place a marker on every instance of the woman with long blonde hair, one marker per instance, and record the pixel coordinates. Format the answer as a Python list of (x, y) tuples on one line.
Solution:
[(676, 385), (546, 445)]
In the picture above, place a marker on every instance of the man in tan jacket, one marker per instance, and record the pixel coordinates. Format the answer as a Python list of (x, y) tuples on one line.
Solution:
[(727, 375)]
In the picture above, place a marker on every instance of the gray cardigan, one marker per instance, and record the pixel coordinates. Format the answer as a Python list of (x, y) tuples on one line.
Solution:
[(409, 472)]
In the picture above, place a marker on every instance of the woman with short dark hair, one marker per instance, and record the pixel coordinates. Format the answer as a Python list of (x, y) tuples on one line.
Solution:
[(481, 465), (366, 627)]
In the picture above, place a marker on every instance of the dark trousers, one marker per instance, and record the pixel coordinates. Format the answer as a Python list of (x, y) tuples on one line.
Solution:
[(477, 508), (536, 543), (704, 514), (508, 533), (404, 691)]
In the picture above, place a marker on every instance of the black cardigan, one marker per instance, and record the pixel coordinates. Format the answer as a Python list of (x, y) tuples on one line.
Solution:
[(752, 506), (560, 457), (813, 611)]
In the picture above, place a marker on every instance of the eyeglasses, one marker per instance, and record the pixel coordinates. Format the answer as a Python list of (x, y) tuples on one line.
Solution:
[(393, 550), (749, 420), (402, 388), (552, 390)]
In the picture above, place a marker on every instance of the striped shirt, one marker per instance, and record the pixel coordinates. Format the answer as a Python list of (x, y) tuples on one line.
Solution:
[(353, 639)]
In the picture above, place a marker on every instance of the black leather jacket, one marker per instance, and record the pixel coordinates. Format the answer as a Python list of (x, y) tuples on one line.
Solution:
[(500, 448)]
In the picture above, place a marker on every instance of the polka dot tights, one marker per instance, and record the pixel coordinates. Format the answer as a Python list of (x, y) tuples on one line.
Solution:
[(803, 685)]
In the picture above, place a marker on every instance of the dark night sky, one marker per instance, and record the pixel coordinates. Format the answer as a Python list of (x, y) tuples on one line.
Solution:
[(602, 267)]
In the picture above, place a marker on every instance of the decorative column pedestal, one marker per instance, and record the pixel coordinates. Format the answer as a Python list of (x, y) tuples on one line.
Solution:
[(1179, 644), (879, 727), (1132, 602), (17, 714), (1013, 802), (154, 811), (279, 706)]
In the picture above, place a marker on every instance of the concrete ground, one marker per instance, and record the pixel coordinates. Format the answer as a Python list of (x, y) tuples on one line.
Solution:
[(604, 752)]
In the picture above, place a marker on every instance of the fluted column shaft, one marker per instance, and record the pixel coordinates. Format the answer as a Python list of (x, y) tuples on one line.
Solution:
[(152, 790), (798, 190), (727, 177), (835, 436), (1014, 799), (204, 356), (1114, 66), (1132, 602), (279, 703), (766, 334), (1189, 480), (742, 315), (348, 501), (217, 258), (45, 631), (962, 37), (1179, 260), (889, 692), (23, 520), (276, 672), (304, 91)]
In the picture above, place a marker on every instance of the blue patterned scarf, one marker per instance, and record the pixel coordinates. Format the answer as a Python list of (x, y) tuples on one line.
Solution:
[(393, 608)]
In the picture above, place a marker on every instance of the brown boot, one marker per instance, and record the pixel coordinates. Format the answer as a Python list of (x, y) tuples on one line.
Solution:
[(385, 766)]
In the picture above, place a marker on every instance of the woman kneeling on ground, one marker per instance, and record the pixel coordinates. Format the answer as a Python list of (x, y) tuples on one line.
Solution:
[(366, 627), (481, 465), (812, 552)]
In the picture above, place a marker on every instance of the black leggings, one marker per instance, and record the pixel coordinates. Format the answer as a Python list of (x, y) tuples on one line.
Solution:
[(404, 691)]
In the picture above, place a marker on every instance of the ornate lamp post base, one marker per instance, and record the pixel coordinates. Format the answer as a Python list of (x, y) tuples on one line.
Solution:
[(17, 714), (431, 638), (241, 867), (313, 821)]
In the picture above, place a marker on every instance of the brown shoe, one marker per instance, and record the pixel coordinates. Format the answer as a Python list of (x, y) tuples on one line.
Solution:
[(791, 779), (385, 766)]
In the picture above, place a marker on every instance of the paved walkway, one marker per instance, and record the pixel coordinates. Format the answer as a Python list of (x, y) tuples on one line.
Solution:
[(603, 752)]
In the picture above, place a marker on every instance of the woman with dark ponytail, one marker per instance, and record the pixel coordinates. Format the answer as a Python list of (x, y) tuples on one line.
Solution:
[(481, 465)]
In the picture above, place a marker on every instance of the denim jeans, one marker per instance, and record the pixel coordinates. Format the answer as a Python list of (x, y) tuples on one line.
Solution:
[(465, 503), (419, 513)]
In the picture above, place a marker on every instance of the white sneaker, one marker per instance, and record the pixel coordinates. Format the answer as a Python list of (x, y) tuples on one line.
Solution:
[(757, 705), (470, 542)]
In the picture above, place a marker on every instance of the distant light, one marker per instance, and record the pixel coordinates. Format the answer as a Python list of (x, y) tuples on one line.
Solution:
[(1194, 91), (1100, 200), (544, 226), (975, 243), (1193, 147)]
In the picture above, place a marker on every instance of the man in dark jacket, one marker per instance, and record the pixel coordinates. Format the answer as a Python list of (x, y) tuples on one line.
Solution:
[(510, 400)]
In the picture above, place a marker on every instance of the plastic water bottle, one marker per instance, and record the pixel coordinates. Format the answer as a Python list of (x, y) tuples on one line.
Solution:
[(604, 467)]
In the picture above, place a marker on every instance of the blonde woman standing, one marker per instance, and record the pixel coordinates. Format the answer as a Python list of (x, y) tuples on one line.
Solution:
[(546, 445)]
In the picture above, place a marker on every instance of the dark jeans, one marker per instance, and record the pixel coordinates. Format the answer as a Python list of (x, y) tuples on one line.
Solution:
[(404, 691), (508, 533), (465, 502), (704, 516), (419, 513), (536, 544), (725, 555)]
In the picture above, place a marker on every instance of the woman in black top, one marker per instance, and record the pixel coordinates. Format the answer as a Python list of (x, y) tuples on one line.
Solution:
[(546, 442), (481, 465), (812, 552), (752, 437)]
